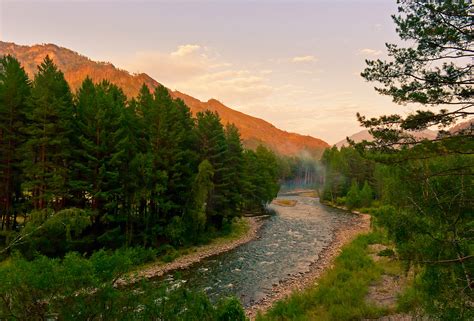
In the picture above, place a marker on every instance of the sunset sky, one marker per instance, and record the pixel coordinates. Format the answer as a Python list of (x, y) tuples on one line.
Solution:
[(295, 64)]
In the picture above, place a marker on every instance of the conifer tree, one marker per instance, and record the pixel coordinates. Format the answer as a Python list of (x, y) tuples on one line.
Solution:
[(48, 149), (174, 132), (431, 219), (14, 93), (233, 167), (213, 147), (99, 108), (366, 195), (202, 188), (353, 196)]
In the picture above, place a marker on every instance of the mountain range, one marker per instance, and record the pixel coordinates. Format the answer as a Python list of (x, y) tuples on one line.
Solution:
[(424, 134), (76, 67), (365, 135)]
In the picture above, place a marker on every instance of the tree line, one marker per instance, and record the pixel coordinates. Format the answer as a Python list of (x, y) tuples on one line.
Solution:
[(91, 169), (420, 191)]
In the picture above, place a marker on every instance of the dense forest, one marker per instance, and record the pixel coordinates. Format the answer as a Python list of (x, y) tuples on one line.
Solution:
[(117, 172), (92, 172), (420, 191), (93, 184)]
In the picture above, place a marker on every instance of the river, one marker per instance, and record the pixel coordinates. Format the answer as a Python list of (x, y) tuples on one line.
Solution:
[(289, 242)]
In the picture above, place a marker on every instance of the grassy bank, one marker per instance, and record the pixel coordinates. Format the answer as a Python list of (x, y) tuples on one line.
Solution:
[(236, 230), (341, 292)]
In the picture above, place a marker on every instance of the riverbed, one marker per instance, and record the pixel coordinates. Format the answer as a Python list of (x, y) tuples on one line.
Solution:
[(288, 246)]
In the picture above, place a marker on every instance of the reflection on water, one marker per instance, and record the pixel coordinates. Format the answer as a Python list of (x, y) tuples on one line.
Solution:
[(289, 243)]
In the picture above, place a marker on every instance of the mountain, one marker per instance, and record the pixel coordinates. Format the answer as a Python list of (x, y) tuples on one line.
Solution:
[(466, 127), (76, 67), (364, 135)]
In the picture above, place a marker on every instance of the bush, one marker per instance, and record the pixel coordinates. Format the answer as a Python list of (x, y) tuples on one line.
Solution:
[(176, 231), (77, 288), (52, 233), (167, 253), (341, 201), (230, 310), (353, 197)]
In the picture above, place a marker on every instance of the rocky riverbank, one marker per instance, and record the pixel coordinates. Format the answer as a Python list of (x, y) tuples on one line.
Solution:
[(158, 269), (360, 223)]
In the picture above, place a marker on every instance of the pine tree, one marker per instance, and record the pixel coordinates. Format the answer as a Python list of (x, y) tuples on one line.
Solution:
[(269, 174), (48, 149), (432, 218), (366, 195), (99, 110), (233, 168), (213, 147), (174, 131), (14, 93), (353, 196), (197, 212)]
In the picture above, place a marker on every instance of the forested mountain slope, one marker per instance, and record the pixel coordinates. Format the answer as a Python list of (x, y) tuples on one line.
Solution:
[(76, 67)]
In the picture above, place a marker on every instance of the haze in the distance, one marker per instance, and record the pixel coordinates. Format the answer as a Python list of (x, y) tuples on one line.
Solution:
[(295, 64)]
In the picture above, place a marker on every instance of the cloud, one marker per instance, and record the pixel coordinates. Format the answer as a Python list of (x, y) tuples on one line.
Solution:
[(201, 72), (370, 52), (308, 58), (185, 50), (233, 87)]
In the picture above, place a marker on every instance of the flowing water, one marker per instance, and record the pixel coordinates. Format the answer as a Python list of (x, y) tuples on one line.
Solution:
[(289, 242)]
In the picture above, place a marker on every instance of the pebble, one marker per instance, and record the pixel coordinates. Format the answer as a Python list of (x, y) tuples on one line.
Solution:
[(359, 224)]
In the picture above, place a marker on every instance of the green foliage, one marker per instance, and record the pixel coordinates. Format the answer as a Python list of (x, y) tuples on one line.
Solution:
[(342, 168), (175, 231), (211, 137), (77, 288), (230, 310), (353, 199), (434, 71), (52, 233), (15, 91), (48, 146), (202, 188), (427, 185), (366, 195), (131, 165), (422, 223), (260, 176)]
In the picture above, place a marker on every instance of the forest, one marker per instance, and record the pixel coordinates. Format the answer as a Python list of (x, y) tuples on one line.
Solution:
[(420, 191), (94, 184)]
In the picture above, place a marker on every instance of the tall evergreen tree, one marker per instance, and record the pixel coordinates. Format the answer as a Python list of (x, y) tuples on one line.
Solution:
[(213, 147), (48, 149), (233, 168), (196, 218), (14, 93), (97, 163), (174, 132)]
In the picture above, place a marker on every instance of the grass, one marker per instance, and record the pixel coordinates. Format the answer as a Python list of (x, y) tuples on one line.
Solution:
[(340, 294)]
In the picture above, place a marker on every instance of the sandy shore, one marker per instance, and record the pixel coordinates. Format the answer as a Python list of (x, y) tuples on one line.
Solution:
[(360, 223), (202, 252)]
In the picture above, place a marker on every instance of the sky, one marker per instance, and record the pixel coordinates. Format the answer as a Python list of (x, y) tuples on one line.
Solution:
[(293, 63)]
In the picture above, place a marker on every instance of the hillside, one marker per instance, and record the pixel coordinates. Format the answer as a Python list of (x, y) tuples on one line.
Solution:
[(364, 135), (76, 67)]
